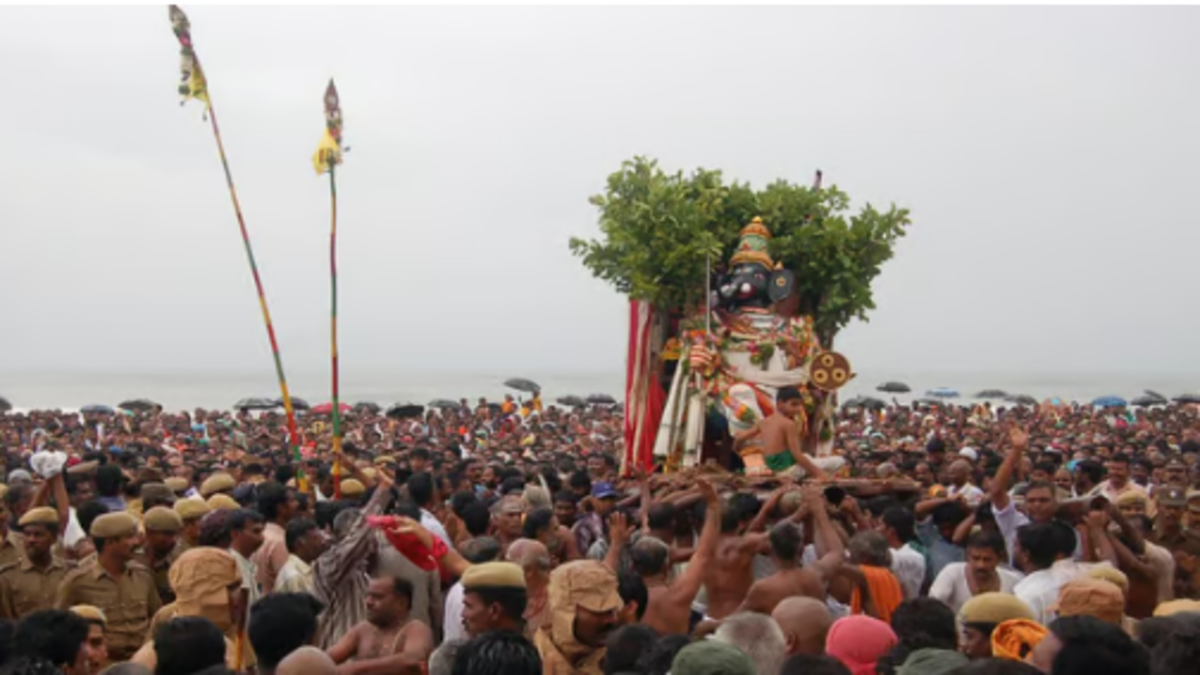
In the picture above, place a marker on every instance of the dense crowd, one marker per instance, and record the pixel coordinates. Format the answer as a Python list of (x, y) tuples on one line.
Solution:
[(483, 539)]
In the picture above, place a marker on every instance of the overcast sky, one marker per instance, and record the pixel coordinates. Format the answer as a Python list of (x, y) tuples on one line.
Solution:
[(1049, 156)]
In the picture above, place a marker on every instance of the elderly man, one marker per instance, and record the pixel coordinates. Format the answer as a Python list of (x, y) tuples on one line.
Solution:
[(583, 603)]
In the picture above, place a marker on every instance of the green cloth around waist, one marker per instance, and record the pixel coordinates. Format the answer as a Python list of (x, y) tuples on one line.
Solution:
[(781, 462)]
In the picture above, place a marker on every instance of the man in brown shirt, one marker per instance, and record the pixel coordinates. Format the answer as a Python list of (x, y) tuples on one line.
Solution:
[(191, 512), (12, 545), (114, 583), (159, 549), (31, 584)]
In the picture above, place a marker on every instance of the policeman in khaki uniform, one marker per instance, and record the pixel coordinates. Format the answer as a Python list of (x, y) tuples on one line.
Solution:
[(31, 584), (119, 587), (190, 512), (12, 544), (162, 526)]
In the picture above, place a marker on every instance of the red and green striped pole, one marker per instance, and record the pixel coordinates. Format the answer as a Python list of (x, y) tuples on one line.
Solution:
[(326, 159), (195, 85)]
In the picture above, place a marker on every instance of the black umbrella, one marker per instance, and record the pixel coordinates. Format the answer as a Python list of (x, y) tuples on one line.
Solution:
[(1150, 393), (521, 384), (367, 406), (1188, 398), (1022, 399), (1147, 401), (297, 403), (138, 405), (865, 402), (894, 388), (573, 401), (444, 403), (5, 406), (992, 393), (601, 399), (97, 408), (254, 404), (402, 410)]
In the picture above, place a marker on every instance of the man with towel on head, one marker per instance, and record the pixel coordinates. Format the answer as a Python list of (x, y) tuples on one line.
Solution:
[(980, 616), (31, 584), (114, 583)]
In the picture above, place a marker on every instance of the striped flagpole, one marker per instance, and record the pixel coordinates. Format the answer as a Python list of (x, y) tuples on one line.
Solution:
[(194, 85), (325, 160)]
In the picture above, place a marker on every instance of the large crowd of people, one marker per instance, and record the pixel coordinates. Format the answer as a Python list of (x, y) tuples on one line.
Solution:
[(509, 538)]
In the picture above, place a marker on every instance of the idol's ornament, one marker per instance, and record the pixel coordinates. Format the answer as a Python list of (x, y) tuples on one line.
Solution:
[(751, 343)]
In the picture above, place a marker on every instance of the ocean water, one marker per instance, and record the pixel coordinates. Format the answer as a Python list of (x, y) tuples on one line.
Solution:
[(209, 389)]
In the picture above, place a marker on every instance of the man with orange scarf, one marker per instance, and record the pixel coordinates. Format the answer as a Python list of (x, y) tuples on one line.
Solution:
[(875, 591)]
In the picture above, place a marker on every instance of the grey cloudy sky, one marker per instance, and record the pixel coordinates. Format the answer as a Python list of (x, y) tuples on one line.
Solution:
[(1049, 157)]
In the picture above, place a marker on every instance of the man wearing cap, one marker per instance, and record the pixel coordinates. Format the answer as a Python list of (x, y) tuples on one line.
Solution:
[(113, 582), (592, 527), (583, 602), (12, 544), (159, 549), (31, 584), (94, 646), (218, 483), (191, 512), (493, 598), (981, 614), (1169, 529)]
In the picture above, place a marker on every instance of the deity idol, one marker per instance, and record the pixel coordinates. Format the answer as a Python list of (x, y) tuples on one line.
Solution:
[(757, 345)]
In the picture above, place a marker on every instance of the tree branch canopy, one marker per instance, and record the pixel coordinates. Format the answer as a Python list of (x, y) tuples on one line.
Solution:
[(656, 229)]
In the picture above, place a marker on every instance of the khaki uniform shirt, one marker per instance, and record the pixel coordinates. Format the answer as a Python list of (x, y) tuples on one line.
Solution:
[(128, 601), (25, 589), (161, 569), (12, 548)]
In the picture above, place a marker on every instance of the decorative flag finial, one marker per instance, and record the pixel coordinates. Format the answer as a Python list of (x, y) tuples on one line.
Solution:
[(329, 151), (191, 77)]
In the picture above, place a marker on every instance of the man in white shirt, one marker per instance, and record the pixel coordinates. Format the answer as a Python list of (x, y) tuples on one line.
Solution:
[(1118, 482), (1047, 548), (981, 573), (246, 536), (960, 483), (908, 564)]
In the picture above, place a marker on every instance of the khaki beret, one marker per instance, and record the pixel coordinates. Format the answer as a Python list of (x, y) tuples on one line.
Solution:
[(162, 519), (352, 488), (1092, 597), (190, 509), (89, 612), (42, 515), (117, 524), (1173, 607), (1110, 574), (157, 491), (369, 473), (218, 482), (994, 608), (176, 483), (223, 502), (494, 575), (385, 459)]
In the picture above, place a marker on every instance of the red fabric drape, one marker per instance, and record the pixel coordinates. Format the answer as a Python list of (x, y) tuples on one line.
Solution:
[(644, 396)]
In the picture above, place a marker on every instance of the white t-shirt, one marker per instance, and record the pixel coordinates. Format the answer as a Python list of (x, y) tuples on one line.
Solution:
[(74, 532), (974, 496), (1040, 589), (908, 566), (951, 585), (452, 628)]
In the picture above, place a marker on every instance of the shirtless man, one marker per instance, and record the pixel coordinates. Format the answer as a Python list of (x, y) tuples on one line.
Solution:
[(787, 544), (669, 608), (388, 642), (731, 577), (780, 436)]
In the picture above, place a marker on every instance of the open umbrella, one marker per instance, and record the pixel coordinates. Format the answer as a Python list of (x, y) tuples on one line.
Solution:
[(601, 399), (992, 393), (254, 404), (865, 402), (1150, 393), (1188, 398), (96, 409), (929, 402), (521, 384), (297, 403), (327, 408), (5, 406), (138, 405), (444, 403), (1110, 402), (1022, 399), (573, 401), (367, 406), (1147, 401), (942, 392), (894, 388), (402, 410)]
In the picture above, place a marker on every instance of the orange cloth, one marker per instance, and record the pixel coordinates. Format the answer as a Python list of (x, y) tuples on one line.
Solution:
[(885, 591), (1015, 639)]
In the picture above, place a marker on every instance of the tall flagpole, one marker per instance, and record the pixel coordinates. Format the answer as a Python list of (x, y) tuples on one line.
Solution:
[(325, 160), (194, 85)]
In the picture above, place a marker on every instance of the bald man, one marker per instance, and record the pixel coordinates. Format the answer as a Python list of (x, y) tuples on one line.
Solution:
[(805, 622), (306, 661)]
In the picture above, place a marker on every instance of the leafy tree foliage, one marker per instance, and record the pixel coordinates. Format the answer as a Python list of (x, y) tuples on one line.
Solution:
[(658, 229)]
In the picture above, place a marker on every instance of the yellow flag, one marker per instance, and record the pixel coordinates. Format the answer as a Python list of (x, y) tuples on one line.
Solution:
[(191, 82), (329, 151)]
